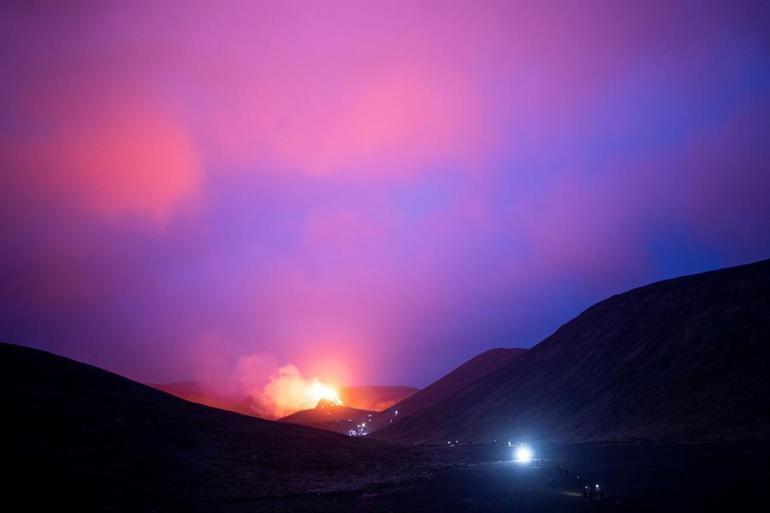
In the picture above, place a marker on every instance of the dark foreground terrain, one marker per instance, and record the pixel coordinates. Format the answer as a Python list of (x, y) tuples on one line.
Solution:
[(626, 388), (677, 478), (85, 439)]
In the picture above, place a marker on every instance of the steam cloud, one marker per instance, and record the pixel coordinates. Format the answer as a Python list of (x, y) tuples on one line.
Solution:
[(285, 393), (271, 391)]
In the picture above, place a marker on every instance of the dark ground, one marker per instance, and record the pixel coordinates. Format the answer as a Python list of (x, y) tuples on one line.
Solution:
[(685, 360), (81, 439), (679, 478), (88, 440)]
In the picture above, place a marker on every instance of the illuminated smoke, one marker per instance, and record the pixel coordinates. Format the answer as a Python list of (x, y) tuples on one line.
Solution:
[(257, 385), (287, 391)]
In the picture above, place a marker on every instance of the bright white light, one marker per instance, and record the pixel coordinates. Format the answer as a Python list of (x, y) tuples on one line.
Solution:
[(523, 454)]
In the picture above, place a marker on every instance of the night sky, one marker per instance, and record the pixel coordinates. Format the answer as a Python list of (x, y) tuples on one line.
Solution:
[(375, 191)]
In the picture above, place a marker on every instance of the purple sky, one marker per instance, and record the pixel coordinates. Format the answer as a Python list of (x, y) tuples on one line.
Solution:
[(373, 190)]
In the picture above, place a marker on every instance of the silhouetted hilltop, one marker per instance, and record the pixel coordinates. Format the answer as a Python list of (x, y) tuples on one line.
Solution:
[(218, 395), (90, 439), (470, 371), (228, 396), (686, 359), (332, 417)]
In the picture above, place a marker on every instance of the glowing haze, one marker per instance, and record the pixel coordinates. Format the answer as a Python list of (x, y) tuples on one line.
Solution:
[(288, 391), (363, 192)]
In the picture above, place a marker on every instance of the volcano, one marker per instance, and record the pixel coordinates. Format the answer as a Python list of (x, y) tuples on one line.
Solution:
[(681, 360), (89, 440), (332, 416), (227, 396)]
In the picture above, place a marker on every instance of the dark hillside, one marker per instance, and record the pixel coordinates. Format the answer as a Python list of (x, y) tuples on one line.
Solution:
[(84, 437), (686, 360)]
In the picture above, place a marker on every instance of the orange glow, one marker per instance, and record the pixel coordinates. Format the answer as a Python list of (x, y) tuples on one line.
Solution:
[(317, 391), (287, 391)]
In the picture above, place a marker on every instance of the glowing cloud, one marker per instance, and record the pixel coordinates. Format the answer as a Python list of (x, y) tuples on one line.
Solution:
[(401, 183), (288, 391), (116, 155)]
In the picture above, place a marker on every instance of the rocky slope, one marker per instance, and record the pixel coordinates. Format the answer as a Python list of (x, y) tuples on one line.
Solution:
[(686, 359), (440, 390)]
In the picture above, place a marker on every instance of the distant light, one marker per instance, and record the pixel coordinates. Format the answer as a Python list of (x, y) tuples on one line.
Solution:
[(523, 454)]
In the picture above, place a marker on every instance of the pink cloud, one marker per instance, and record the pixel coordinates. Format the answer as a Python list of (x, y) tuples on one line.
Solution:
[(106, 150), (365, 178)]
